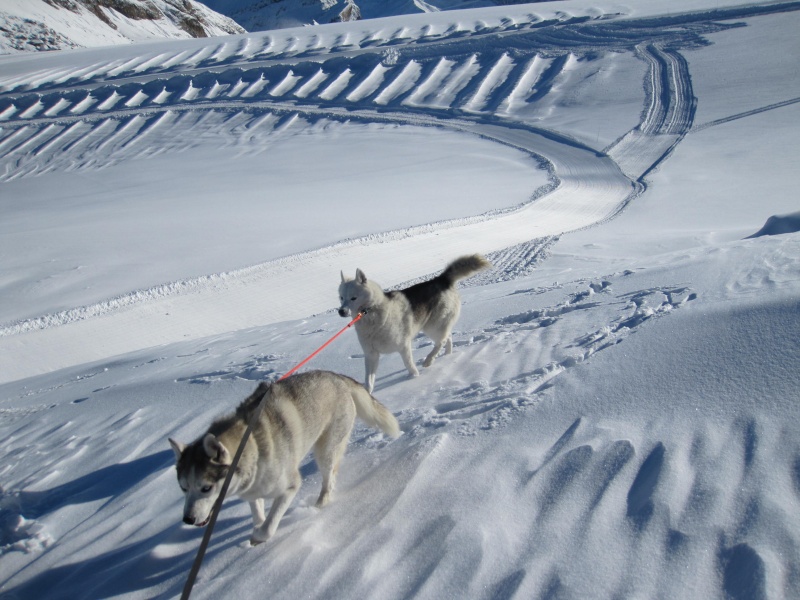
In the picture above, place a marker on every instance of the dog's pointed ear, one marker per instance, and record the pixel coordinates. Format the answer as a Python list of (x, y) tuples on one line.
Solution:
[(360, 277), (215, 450), (177, 448), (344, 278)]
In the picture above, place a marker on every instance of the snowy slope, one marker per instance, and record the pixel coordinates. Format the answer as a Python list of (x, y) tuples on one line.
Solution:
[(619, 418), (61, 24)]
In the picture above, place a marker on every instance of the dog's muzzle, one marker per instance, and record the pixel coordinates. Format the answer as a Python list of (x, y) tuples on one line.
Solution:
[(192, 521), (343, 312)]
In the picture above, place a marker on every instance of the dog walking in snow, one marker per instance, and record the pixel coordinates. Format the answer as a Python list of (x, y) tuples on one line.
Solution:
[(308, 410), (392, 319)]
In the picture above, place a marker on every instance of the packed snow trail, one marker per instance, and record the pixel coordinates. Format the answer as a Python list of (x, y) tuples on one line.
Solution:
[(591, 189)]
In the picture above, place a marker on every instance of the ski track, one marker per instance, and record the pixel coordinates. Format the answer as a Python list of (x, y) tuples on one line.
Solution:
[(98, 114), (668, 118)]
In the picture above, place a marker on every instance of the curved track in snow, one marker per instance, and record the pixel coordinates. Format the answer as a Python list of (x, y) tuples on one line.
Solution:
[(669, 115), (487, 79)]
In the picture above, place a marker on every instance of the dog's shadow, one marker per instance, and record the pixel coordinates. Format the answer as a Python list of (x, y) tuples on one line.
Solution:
[(133, 567), (108, 482), (129, 568), (390, 379)]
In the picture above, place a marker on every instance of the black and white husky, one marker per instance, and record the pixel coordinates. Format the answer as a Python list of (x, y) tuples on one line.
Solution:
[(308, 410), (392, 319)]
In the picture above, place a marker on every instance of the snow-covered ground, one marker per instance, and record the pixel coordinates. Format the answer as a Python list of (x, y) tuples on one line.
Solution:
[(619, 418)]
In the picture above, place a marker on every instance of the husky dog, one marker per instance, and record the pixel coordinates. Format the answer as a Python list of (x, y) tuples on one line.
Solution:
[(392, 319), (309, 410)]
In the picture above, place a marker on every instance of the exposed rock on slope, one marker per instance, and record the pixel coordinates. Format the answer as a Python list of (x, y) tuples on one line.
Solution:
[(351, 12), (261, 15), (58, 24)]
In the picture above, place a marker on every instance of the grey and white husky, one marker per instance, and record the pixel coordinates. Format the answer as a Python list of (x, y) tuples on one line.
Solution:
[(392, 319), (308, 410)]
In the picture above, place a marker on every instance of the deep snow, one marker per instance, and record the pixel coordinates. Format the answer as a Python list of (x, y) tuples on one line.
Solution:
[(619, 417)]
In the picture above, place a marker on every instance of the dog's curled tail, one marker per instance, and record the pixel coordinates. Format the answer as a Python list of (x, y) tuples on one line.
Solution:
[(464, 266), (375, 414)]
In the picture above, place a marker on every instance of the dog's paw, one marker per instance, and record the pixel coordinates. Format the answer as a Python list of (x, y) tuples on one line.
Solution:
[(428, 362), (259, 537), (323, 500)]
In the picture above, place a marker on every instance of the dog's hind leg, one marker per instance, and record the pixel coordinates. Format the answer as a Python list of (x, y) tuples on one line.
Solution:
[(432, 355), (279, 505), (440, 338), (328, 453)]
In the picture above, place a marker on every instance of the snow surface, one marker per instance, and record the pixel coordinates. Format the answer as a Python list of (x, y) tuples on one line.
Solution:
[(619, 418)]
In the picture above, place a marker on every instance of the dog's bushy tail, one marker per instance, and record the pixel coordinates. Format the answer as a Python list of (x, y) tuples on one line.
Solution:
[(463, 267), (373, 413)]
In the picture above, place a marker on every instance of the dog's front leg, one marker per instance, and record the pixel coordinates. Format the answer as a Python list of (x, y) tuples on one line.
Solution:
[(408, 360), (371, 360), (257, 508), (279, 505)]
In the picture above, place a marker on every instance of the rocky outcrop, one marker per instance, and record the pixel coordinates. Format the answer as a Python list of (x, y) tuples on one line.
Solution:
[(351, 12), (59, 24)]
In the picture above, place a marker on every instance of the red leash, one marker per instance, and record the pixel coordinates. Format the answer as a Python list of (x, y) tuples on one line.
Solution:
[(321, 348), (201, 552)]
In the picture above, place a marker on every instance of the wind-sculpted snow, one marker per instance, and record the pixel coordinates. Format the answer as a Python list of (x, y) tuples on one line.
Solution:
[(545, 505), (779, 225)]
